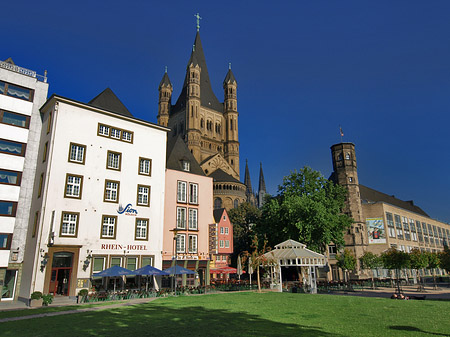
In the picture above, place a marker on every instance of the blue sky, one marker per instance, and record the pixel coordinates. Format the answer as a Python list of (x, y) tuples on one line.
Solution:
[(381, 69)]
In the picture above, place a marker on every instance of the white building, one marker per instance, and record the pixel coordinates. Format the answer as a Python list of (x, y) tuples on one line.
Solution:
[(98, 198), (22, 93)]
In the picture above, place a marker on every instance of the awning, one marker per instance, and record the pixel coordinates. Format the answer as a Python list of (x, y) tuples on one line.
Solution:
[(223, 270)]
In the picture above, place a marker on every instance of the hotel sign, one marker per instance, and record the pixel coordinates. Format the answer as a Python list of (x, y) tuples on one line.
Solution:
[(116, 246), (127, 210)]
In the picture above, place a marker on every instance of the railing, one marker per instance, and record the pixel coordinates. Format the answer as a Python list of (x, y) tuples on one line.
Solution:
[(23, 71)]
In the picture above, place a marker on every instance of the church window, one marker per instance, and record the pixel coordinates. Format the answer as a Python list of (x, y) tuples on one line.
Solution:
[(340, 156), (231, 124), (236, 203), (210, 146), (217, 203), (202, 123), (347, 155), (232, 162)]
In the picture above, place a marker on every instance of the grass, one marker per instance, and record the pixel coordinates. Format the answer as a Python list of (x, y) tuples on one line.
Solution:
[(249, 314)]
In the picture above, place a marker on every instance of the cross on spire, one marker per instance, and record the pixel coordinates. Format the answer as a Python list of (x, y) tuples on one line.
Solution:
[(198, 21)]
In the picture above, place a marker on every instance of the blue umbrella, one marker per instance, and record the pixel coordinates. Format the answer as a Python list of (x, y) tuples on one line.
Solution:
[(149, 270), (114, 272), (177, 270)]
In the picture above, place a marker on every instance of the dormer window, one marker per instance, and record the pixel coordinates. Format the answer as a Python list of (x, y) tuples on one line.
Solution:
[(186, 166)]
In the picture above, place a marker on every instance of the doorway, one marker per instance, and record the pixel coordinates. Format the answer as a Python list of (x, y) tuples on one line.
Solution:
[(61, 273)]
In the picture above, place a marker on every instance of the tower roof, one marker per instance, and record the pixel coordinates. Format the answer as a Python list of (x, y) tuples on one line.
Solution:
[(165, 81), (109, 101), (262, 183), (229, 78), (207, 97), (247, 180)]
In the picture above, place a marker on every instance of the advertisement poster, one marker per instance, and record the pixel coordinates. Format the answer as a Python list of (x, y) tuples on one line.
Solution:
[(375, 229)]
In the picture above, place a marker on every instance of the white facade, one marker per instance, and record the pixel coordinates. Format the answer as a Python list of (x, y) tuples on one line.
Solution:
[(78, 227), (22, 93)]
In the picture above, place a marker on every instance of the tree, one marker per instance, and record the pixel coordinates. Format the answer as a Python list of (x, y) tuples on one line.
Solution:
[(444, 258), (308, 208), (418, 260), (244, 217), (370, 261), (394, 259), (346, 261), (433, 263)]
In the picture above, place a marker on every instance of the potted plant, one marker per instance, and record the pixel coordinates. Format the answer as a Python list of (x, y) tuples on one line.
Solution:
[(47, 299), (36, 299), (82, 295)]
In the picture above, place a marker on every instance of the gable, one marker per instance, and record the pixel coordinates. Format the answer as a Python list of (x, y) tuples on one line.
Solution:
[(215, 163)]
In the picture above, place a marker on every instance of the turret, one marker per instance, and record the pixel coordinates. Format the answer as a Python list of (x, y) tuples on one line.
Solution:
[(231, 120), (165, 97)]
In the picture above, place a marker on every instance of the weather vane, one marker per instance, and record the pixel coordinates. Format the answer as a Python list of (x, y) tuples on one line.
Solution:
[(198, 21)]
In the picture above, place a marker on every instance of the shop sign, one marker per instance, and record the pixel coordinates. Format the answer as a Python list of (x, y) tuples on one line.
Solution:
[(127, 210), (116, 246)]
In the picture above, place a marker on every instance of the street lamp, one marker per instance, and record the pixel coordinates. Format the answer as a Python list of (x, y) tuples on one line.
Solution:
[(174, 257)]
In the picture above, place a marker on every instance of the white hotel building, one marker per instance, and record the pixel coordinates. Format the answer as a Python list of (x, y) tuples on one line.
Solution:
[(98, 197), (22, 93)]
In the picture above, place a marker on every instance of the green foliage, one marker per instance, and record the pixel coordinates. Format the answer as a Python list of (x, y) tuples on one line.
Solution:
[(444, 258), (433, 260), (36, 295), (308, 209), (395, 259), (243, 219), (47, 299), (83, 292), (370, 261), (418, 259), (346, 261)]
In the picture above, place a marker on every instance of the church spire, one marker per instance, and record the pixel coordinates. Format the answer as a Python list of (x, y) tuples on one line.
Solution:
[(247, 180), (261, 187)]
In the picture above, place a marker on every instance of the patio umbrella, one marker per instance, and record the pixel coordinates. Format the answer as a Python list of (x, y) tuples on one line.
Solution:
[(239, 267), (114, 272), (250, 270), (148, 270), (177, 270)]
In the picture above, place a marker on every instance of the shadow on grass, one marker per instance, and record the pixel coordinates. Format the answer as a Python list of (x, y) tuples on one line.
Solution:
[(414, 329), (158, 320)]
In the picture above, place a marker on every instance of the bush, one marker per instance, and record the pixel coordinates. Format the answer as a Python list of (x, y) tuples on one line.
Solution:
[(36, 295), (47, 299), (83, 292)]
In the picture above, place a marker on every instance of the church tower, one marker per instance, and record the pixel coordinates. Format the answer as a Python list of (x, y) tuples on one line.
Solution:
[(345, 174), (261, 187), (165, 96)]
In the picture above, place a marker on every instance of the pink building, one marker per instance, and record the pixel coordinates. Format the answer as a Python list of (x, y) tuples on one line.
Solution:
[(221, 241), (188, 210)]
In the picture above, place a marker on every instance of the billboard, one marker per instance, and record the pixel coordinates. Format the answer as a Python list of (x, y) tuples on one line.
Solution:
[(375, 230)]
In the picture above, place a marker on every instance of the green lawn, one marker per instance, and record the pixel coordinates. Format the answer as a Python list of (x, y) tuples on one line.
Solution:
[(250, 314)]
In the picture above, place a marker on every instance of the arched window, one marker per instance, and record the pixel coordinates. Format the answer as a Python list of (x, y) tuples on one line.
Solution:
[(217, 203), (347, 155), (340, 156), (236, 203), (202, 123)]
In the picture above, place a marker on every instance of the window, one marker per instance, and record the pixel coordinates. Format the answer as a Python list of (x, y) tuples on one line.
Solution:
[(181, 243), (41, 183), (111, 191), (44, 155), (109, 224), (103, 130), (227, 243), (217, 203), (12, 118), (332, 250), (74, 184), (115, 133), (186, 166), (77, 153), (147, 261), (16, 91), (226, 230), (221, 244), (181, 191), (14, 148), (141, 229), (132, 263), (114, 160), (8, 177), (8, 208), (127, 136), (35, 224), (98, 264), (236, 203), (145, 166), (143, 196), (5, 241), (222, 230), (116, 261), (181, 217), (193, 218), (193, 193), (49, 121), (69, 224), (192, 243)]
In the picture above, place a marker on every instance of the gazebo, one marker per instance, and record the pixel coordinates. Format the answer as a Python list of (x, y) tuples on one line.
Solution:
[(291, 253)]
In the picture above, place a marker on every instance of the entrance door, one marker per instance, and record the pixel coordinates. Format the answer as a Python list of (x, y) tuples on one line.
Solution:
[(61, 273), (9, 286)]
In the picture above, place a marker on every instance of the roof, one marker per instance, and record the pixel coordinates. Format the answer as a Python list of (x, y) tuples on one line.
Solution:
[(369, 195), (207, 97), (217, 213), (109, 101), (292, 250), (247, 180), (165, 81), (177, 151), (262, 183), (220, 176), (229, 78)]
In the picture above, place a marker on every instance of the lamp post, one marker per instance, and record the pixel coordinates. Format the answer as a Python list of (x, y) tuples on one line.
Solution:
[(174, 280)]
